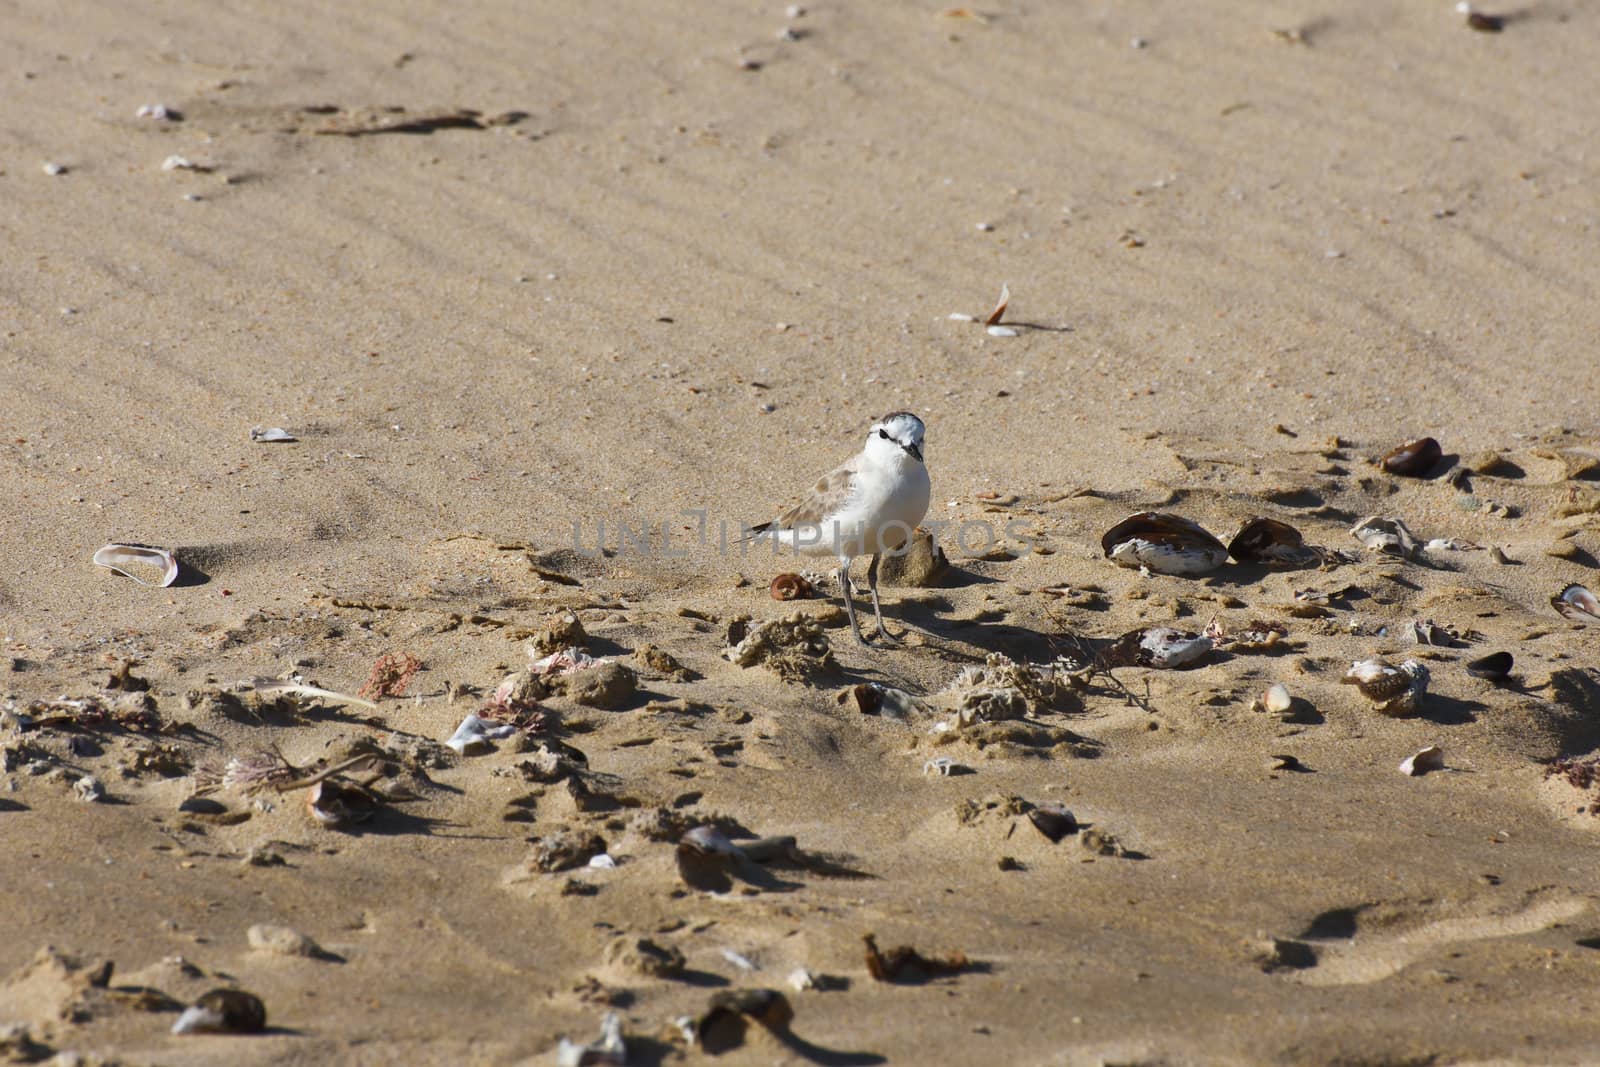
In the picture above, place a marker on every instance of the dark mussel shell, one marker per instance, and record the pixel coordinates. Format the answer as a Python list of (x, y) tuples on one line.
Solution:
[(1268, 541), (1053, 821), (1159, 528), (1414, 458), (1496, 666)]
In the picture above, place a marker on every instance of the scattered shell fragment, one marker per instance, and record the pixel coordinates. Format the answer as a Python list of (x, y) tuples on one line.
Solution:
[(1428, 632), (223, 1011), (1054, 821), (1166, 544), (607, 1050), (1496, 667), (183, 163), (1425, 760), (271, 435), (159, 112), (1162, 647), (904, 963), (475, 736), (1001, 331), (1000, 306), (1577, 603), (88, 789), (1389, 536), (945, 767), (55, 170), (731, 1011), (1414, 458), (801, 980), (1394, 691), (791, 587), (282, 941), (119, 558), (874, 699), (337, 805), (1264, 540)]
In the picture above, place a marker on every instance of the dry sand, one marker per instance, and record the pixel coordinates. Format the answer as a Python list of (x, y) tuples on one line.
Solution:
[(1244, 263)]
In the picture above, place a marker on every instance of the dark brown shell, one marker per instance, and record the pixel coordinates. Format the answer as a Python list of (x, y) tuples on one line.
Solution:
[(1160, 528), (791, 587), (1496, 666), (1414, 458), (1259, 534), (1053, 821), (241, 1012)]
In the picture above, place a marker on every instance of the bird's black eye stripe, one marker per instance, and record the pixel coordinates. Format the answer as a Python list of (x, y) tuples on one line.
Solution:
[(884, 434)]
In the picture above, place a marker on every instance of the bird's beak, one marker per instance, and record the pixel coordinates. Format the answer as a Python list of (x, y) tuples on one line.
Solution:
[(913, 451)]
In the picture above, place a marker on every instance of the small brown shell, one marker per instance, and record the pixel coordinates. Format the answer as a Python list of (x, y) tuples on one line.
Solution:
[(1414, 458), (1267, 540), (338, 804), (791, 587)]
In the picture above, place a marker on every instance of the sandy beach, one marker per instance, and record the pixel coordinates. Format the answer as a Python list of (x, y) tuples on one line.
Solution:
[(552, 299)]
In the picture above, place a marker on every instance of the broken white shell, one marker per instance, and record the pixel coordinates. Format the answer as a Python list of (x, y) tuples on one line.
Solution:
[(119, 557), (1001, 331), (801, 980), (1425, 760), (1389, 536), (1162, 647), (475, 735), (271, 435), (607, 1050)]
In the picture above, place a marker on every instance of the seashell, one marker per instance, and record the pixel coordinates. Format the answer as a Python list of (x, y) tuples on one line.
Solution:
[(1414, 458), (159, 112), (1162, 647), (1428, 632), (1277, 700), (88, 789), (1425, 760), (730, 1013), (1054, 821), (1001, 331), (1496, 667), (1263, 540), (705, 855), (874, 699), (1394, 691), (118, 557), (801, 980), (475, 736), (271, 436), (223, 1011), (1577, 603), (337, 805), (607, 1050), (1000, 306), (791, 587), (1163, 543), (1388, 536)]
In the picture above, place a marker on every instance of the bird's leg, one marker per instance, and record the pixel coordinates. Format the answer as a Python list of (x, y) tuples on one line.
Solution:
[(849, 603), (877, 609)]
